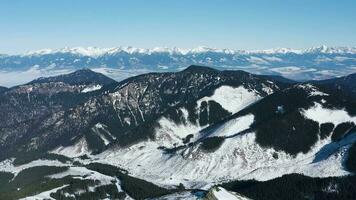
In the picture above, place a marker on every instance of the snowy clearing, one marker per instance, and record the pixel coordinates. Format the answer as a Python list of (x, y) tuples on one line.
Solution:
[(323, 115), (44, 195), (232, 99), (91, 88), (76, 150)]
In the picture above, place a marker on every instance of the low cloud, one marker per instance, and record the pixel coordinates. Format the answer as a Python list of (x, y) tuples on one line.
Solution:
[(12, 78)]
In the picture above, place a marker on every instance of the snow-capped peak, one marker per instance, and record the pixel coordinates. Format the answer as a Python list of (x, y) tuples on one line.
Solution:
[(84, 51), (331, 50), (96, 51), (276, 51)]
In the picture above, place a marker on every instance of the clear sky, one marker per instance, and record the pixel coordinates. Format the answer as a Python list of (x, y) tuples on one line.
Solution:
[(249, 24)]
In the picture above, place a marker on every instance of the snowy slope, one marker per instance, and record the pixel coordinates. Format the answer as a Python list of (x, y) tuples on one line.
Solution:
[(175, 151), (180, 195), (219, 193), (324, 115), (78, 149), (84, 173), (44, 195), (91, 88), (239, 156), (232, 99)]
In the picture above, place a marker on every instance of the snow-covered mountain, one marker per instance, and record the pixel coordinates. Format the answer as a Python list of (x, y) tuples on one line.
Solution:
[(122, 62), (186, 134), (95, 51), (119, 111)]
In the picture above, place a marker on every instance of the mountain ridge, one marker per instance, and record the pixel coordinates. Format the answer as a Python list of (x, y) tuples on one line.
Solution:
[(96, 51), (129, 102), (81, 76), (312, 64)]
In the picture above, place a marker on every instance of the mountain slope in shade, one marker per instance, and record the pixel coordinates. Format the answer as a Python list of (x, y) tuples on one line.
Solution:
[(26, 107), (345, 85), (3, 89), (119, 113), (79, 77)]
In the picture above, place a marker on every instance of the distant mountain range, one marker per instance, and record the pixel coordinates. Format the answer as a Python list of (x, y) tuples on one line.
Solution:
[(119, 63)]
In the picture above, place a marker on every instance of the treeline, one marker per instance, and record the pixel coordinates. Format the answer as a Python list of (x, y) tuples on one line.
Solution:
[(134, 187), (350, 162), (29, 181), (297, 187), (79, 189), (211, 144), (24, 158)]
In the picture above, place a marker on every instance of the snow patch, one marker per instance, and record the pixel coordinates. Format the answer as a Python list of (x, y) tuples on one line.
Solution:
[(313, 91), (91, 88), (8, 166), (179, 195), (76, 150), (222, 194), (44, 195), (96, 130), (324, 115), (84, 173), (239, 157), (232, 99), (170, 134), (234, 126)]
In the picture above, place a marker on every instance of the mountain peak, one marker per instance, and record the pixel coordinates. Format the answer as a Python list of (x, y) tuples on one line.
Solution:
[(2, 89), (82, 76), (199, 68), (84, 71)]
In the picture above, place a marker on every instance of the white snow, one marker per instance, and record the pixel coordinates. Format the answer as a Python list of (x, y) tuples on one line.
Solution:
[(97, 129), (329, 164), (239, 157), (267, 89), (180, 195), (91, 88), (44, 195), (232, 99), (84, 173), (313, 91), (234, 126), (169, 134), (96, 51), (323, 115), (76, 150), (222, 194)]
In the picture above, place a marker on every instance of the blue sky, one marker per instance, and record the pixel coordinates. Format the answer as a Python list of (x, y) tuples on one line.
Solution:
[(29, 25)]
